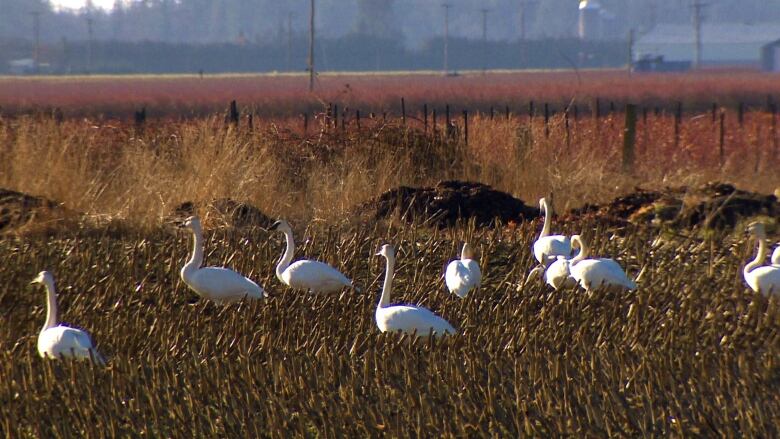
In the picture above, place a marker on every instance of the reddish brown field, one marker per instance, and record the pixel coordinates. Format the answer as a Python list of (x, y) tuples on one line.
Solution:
[(282, 95)]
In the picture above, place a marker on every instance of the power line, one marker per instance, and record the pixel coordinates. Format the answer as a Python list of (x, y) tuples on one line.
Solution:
[(446, 7), (484, 39), (36, 15), (311, 48), (697, 7)]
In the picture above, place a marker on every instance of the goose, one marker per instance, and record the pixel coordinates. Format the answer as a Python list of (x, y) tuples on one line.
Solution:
[(306, 274), (591, 274), (405, 318), (547, 247), (762, 279), (463, 274), (218, 284), (58, 341)]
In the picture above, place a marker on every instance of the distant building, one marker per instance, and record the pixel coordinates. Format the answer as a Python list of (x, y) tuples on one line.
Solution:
[(594, 22), (722, 44), (770, 56), (26, 66)]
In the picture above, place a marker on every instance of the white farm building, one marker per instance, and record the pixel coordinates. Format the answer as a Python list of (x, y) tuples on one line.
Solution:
[(722, 44)]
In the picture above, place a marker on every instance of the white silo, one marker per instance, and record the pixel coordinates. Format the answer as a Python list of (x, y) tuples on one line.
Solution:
[(589, 20)]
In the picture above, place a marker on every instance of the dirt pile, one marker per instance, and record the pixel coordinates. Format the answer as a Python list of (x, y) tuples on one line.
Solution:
[(20, 212), (225, 212), (712, 205), (448, 201)]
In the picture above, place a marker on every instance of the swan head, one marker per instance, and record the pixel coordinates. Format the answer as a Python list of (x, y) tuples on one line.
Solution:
[(757, 229), (281, 226), (193, 223), (44, 277), (542, 202), (387, 251), (467, 252)]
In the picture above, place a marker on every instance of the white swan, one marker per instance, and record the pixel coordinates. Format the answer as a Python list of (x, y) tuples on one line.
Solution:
[(776, 256), (306, 274), (57, 341), (405, 318), (592, 274), (558, 274), (215, 283), (548, 247), (463, 274), (762, 279)]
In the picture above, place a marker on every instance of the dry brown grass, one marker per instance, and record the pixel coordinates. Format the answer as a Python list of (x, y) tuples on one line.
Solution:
[(112, 170)]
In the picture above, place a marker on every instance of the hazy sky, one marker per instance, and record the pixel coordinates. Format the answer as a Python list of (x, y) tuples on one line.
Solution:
[(76, 4)]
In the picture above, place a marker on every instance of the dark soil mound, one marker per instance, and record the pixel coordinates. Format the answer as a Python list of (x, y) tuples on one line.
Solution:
[(226, 211), (712, 205), (22, 212), (447, 202)]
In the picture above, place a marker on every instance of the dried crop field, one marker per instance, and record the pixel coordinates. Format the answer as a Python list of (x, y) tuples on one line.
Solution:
[(693, 351), (280, 95)]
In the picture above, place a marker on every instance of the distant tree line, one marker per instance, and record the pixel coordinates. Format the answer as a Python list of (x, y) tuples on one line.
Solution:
[(351, 53)]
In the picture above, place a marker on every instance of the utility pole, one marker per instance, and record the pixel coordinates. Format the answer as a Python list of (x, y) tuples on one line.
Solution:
[(697, 6), (289, 41), (311, 48), (446, 7), (90, 35), (484, 40), (523, 5), (36, 15)]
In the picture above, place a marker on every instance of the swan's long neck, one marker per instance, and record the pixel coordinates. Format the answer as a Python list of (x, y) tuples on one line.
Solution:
[(546, 227), (387, 288), (583, 253), (51, 306), (288, 254), (197, 254), (762, 251)]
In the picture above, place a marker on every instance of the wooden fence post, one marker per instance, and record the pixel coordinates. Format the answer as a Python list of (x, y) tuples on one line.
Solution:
[(466, 127), (506, 110), (492, 112), (629, 139), (740, 113), (433, 121), (530, 111), (546, 120), (140, 117), (403, 111), (233, 115), (425, 118), (357, 119), (677, 121), (722, 138), (335, 116)]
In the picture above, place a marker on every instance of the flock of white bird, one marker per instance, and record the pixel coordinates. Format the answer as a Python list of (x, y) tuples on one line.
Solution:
[(562, 268)]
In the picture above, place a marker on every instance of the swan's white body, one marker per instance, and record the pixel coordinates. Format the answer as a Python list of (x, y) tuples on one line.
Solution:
[(592, 274), (305, 274), (762, 279), (218, 284), (405, 318), (463, 275), (548, 247), (558, 274), (58, 341)]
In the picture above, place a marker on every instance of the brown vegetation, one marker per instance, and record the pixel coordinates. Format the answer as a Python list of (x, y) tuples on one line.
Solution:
[(691, 352)]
